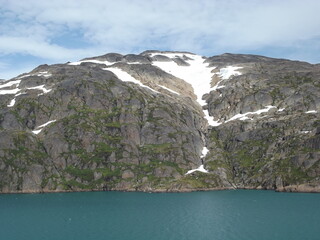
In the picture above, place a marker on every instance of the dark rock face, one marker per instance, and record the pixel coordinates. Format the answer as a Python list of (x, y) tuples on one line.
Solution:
[(107, 135), (80, 127), (272, 150)]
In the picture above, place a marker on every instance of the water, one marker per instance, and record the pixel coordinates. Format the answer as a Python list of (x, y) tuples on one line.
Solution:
[(217, 215)]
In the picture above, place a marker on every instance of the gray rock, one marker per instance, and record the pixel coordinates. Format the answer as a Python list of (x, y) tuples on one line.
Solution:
[(114, 135), (127, 174)]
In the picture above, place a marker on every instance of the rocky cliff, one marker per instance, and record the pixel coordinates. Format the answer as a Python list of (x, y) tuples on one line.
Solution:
[(162, 121)]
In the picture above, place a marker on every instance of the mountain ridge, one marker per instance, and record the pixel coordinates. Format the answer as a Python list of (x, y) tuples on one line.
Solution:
[(143, 122)]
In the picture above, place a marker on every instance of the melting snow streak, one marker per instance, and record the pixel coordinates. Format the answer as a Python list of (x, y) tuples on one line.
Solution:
[(169, 90), (244, 116), (11, 83), (312, 111), (199, 169), (41, 87), (124, 76), (39, 129)]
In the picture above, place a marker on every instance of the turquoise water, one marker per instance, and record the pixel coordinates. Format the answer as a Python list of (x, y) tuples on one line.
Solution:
[(217, 215)]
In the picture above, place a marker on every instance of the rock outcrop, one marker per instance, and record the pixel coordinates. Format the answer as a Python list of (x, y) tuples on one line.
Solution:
[(269, 136), (141, 122)]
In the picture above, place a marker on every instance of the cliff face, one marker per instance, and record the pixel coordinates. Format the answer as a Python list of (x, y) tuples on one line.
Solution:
[(141, 122), (269, 136)]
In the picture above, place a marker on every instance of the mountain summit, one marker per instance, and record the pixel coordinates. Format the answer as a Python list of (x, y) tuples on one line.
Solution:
[(162, 121)]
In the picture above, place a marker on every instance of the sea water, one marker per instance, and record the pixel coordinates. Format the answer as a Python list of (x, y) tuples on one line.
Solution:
[(216, 215)]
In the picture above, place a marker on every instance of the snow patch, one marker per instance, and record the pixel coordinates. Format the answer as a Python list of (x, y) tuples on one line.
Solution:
[(44, 74), (173, 55), (41, 87), (40, 128), (12, 103), (198, 74), (224, 74), (91, 61), (24, 76), (10, 91), (37, 131), (9, 84), (210, 119), (215, 87), (16, 90), (125, 77), (305, 132), (312, 111), (199, 169), (46, 124), (204, 152), (99, 62), (169, 89), (281, 109), (244, 116), (227, 72), (133, 62)]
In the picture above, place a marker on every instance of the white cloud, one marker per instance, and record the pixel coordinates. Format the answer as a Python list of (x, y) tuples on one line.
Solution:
[(205, 27), (277, 23), (9, 45)]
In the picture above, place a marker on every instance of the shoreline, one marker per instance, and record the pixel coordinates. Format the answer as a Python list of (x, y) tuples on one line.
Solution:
[(303, 188)]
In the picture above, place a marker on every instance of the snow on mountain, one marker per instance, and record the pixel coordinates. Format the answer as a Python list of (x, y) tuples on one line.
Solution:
[(193, 70), (227, 72), (124, 76), (168, 89), (91, 61), (9, 91), (9, 84), (243, 117), (312, 111), (41, 87), (189, 67), (197, 73), (39, 128), (199, 169)]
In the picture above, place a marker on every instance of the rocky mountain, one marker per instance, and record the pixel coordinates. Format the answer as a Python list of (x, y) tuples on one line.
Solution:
[(162, 121)]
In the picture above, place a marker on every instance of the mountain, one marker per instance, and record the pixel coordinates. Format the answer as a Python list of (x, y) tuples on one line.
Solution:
[(162, 121)]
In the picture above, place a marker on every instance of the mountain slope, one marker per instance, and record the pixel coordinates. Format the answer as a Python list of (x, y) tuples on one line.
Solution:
[(143, 122)]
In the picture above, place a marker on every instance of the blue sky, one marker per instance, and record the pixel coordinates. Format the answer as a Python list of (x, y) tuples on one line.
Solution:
[(35, 32)]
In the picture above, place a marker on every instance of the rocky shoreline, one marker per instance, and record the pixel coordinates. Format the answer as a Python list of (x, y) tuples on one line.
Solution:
[(304, 188)]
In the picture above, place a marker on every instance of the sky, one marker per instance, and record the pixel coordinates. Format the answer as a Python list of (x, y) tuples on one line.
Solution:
[(34, 32)]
